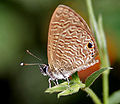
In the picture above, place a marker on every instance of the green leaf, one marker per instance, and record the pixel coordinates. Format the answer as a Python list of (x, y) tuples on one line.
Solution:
[(115, 98), (73, 89), (58, 88), (65, 89), (95, 75)]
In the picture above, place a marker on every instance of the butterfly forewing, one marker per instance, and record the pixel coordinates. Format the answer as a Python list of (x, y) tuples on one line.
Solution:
[(71, 46)]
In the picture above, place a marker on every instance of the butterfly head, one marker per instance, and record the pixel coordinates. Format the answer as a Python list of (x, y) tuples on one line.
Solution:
[(44, 69)]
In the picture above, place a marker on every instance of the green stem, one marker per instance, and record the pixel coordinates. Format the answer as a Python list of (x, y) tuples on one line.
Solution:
[(93, 21), (105, 63), (87, 89), (92, 95), (99, 32), (105, 88)]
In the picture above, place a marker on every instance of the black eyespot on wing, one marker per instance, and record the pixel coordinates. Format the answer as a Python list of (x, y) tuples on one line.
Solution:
[(89, 45)]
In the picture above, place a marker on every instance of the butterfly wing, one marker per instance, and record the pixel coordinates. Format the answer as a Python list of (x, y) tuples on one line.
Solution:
[(71, 45)]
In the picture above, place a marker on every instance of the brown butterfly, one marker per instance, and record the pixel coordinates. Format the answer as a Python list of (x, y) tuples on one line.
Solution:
[(71, 47)]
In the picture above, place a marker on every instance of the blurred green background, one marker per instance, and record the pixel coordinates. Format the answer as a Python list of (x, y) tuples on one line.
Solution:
[(24, 25)]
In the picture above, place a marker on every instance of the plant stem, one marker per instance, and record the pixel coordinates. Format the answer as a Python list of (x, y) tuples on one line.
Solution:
[(100, 36), (93, 21), (93, 95), (105, 63), (87, 90)]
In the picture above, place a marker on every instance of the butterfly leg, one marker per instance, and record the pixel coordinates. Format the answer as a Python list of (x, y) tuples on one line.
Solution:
[(57, 81), (54, 83), (49, 80), (68, 81)]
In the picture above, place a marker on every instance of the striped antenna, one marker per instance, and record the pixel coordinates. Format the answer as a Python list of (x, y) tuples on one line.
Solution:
[(33, 55), (31, 64)]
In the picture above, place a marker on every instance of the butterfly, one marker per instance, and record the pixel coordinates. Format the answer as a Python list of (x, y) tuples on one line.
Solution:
[(71, 47)]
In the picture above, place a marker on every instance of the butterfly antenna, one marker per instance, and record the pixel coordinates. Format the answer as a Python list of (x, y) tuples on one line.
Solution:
[(31, 64), (33, 55)]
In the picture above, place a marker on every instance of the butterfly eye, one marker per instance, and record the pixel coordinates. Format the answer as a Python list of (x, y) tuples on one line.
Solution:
[(89, 46)]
